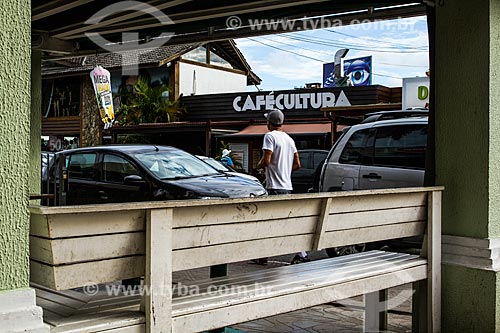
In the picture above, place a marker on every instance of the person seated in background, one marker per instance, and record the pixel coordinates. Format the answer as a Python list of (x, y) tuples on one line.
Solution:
[(226, 159)]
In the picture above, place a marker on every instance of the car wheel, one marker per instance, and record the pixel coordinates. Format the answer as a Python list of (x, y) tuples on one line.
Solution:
[(344, 250)]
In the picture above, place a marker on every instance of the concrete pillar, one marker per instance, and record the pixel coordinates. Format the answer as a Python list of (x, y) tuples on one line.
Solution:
[(35, 121), (467, 77), (18, 312)]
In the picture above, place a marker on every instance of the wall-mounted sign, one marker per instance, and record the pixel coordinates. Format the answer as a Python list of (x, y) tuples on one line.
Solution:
[(358, 70), (286, 101), (416, 92), (101, 79)]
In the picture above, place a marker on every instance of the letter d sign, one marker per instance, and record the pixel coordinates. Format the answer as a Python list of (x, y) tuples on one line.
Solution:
[(423, 93)]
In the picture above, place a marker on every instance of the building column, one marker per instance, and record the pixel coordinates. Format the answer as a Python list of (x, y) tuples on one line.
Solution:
[(18, 311), (467, 83), (35, 122)]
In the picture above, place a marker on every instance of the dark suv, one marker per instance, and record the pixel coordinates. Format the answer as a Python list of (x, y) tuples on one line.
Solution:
[(126, 173)]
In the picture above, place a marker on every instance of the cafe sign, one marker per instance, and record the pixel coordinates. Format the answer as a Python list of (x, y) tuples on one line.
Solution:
[(289, 101)]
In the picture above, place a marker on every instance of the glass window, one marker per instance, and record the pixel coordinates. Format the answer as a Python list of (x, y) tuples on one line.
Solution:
[(318, 159), (174, 164), (305, 161), (354, 148), (401, 146), (82, 166), (116, 168)]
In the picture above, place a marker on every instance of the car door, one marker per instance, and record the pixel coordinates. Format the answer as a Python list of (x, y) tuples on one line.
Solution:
[(302, 177), (113, 186), (82, 179), (398, 157), (341, 172)]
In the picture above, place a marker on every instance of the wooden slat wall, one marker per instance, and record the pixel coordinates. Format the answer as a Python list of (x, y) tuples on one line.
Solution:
[(71, 249), (61, 126)]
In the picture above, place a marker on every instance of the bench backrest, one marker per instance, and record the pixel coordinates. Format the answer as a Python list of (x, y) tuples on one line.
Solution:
[(71, 246)]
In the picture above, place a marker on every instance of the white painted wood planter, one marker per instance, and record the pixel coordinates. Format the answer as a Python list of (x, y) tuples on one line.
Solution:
[(75, 245)]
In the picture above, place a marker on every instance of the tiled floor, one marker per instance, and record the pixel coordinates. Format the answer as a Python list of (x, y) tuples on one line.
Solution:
[(342, 316)]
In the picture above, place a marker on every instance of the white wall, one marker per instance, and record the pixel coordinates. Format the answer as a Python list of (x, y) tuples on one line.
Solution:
[(209, 80)]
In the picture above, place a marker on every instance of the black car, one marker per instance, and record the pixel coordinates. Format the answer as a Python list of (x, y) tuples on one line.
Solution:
[(126, 173), (307, 177)]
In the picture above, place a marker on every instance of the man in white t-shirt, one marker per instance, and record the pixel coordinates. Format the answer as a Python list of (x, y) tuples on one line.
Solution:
[(280, 160), (280, 156)]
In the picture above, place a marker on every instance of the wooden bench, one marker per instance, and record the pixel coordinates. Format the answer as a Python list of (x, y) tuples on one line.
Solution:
[(73, 246)]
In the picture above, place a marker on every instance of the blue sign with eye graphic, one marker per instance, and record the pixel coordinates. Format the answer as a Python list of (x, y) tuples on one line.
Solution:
[(359, 71)]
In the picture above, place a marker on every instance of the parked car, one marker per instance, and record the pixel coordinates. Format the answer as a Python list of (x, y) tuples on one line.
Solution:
[(305, 179), (376, 154), (126, 173), (221, 167)]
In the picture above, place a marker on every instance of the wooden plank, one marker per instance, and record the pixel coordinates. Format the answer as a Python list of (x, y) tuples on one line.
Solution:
[(158, 279), (245, 212), (434, 258), (94, 272), (321, 224), (282, 275), (231, 294), (129, 329), (39, 225), (296, 199), (243, 231), (86, 224), (373, 218), (371, 234), (377, 201), (81, 249), (42, 274), (100, 322), (226, 253), (225, 316)]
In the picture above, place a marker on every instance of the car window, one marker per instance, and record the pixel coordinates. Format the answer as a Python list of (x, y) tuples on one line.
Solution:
[(318, 159), (305, 161), (401, 146), (354, 148), (116, 168), (174, 164), (81, 165)]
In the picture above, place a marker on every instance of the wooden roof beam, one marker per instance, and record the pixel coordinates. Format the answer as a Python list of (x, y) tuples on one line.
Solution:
[(55, 7)]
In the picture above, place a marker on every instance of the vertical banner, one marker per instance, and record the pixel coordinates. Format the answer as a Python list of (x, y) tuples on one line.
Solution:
[(101, 79), (328, 75)]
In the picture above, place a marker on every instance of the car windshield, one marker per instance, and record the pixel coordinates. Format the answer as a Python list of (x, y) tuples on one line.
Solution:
[(216, 164), (174, 164)]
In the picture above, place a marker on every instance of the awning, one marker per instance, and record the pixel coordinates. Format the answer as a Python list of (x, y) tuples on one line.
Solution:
[(294, 129)]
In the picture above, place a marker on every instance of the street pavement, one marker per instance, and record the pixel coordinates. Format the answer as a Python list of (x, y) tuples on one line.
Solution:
[(342, 316)]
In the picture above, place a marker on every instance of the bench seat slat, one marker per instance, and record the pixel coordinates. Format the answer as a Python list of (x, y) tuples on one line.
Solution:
[(237, 313), (290, 269), (292, 283)]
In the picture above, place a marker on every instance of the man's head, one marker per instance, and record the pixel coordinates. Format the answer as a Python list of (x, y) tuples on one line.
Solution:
[(275, 118)]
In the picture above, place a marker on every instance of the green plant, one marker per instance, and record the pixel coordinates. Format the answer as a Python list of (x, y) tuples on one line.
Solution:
[(147, 104)]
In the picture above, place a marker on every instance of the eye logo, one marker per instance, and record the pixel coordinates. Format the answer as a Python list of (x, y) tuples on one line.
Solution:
[(130, 40), (359, 71)]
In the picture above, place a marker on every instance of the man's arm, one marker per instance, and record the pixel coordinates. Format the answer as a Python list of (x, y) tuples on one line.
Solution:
[(296, 162), (265, 160)]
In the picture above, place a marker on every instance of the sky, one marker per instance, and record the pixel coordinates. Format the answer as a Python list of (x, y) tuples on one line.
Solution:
[(399, 49)]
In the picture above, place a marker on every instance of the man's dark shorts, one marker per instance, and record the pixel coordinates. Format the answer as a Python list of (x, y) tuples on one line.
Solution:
[(278, 192)]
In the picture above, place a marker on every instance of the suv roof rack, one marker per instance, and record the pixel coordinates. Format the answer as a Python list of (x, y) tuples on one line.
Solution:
[(385, 115)]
